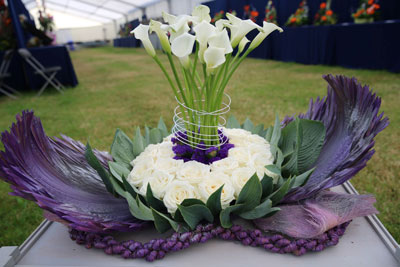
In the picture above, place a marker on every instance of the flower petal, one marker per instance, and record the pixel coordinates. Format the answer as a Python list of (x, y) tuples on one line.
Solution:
[(141, 32), (201, 13), (158, 28), (221, 40), (204, 31), (214, 57), (183, 45)]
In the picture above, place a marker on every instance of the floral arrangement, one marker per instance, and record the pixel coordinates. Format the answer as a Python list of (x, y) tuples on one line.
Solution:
[(300, 17), (368, 11), (270, 12), (7, 38), (218, 16), (125, 30), (325, 15), (46, 22), (207, 172), (250, 12)]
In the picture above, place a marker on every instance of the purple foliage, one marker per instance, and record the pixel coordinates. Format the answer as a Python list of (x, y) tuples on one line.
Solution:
[(56, 175), (350, 115), (315, 215), (156, 249), (200, 153)]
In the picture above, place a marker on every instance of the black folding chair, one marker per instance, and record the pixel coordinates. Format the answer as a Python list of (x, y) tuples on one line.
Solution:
[(48, 73), (5, 64)]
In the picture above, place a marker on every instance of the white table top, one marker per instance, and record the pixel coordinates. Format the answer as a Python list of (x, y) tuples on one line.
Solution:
[(362, 245)]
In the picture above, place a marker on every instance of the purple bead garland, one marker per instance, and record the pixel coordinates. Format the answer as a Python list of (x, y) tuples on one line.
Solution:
[(157, 248)]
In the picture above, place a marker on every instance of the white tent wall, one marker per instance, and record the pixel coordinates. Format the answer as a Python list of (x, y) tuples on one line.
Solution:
[(184, 6), (103, 32)]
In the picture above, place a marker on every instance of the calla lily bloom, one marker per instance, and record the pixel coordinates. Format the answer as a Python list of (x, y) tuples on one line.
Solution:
[(203, 32), (266, 30), (221, 40), (201, 13), (159, 29), (221, 24), (214, 57), (242, 44), (182, 47), (240, 28), (141, 33)]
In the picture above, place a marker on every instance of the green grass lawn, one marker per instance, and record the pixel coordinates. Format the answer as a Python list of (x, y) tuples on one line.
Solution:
[(123, 88)]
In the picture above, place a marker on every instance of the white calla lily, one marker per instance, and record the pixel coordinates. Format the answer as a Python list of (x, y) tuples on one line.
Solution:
[(214, 57), (266, 30), (203, 32), (221, 40), (201, 13), (240, 28), (159, 29), (180, 21), (168, 18), (141, 33), (242, 44), (221, 24), (182, 47)]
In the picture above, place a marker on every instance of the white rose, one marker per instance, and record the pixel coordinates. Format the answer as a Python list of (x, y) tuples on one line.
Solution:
[(241, 155), (231, 133), (214, 181), (240, 177), (169, 165), (143, 168), (159, 181), (226, 165), (193, 172), (176, 192)]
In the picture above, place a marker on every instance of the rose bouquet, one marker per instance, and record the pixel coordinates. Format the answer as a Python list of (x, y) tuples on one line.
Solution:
[(270, 13), (325, 15), (207, 172), (367, 12), (300, 17)]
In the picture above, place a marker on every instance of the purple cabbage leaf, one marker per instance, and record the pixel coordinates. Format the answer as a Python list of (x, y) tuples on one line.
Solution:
[(55, 174), (350, 116), (316, 215)]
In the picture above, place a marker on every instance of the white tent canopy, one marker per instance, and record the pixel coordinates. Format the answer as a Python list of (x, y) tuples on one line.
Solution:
[(105, 15)]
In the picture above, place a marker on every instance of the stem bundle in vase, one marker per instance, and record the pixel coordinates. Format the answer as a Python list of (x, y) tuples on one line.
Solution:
[(200, 80)]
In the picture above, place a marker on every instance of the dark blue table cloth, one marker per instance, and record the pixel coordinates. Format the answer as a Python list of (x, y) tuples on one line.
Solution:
[(22, 74), (126, 42), (370, 46)]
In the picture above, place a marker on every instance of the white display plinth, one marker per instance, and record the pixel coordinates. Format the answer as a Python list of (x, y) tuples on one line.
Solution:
[(365, 243)]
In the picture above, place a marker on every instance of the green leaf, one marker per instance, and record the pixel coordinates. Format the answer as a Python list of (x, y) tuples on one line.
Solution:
[(191, 201), (95, 164), (251, 193), (279, 158), (302, 179), (271, 212), (128, 187), (313, 133), (194, 214), (274, 169), (288, 138), (163, 128), (258, 212), (259, 129), (276, 133), (146, 136), (214, 202), (118, 170), (122, 149), (268, 134), (138, 209), (290, 167), (279, 194), (225, 215), (267, 184), (163, 223), (232, 123), (155, 136), (154, 202), (138, 143), (248, 125)]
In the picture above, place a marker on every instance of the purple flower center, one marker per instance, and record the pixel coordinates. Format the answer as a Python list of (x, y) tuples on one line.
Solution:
[(201, 153)]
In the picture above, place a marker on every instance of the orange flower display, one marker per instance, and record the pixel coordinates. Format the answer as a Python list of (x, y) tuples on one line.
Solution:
[(367, 12), (300, 16), (329, 13), (325, 15), (322, 6)]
